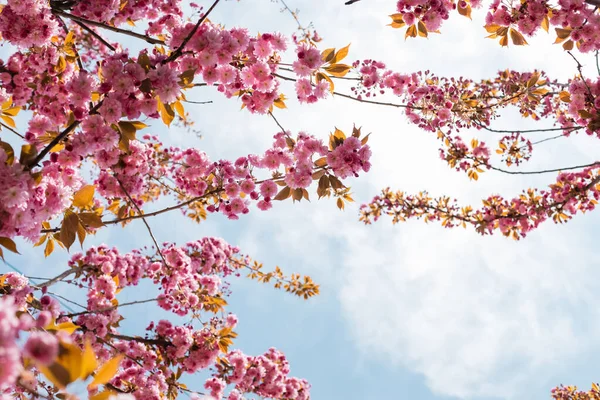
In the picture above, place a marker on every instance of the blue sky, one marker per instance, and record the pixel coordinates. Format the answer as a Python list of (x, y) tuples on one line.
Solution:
[(407, 311)]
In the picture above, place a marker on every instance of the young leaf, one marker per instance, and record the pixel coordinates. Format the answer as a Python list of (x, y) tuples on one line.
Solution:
[(8, 244), (84, 197), (49, 247), (283, 194), (68, 229), (91, 219), (340, 55), (328, 54), (88, 361), (517, 37), (57, 374), (107, 371), (338, 70)]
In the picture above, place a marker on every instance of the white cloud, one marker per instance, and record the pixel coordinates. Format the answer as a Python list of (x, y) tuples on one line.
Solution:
[(477, 317)]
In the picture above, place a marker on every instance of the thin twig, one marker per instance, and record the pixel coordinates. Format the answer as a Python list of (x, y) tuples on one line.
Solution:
[(12, 130), (108, 27), (198, 102), (277, 122), (96, 35), (579, 68), (572, 128), (67, 300), (178, 51), (108, 308), (545, 171), (60, 277), (60, 137), (143, 219)]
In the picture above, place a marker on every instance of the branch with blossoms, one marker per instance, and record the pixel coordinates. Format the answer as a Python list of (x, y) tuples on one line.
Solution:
[(87, 346)]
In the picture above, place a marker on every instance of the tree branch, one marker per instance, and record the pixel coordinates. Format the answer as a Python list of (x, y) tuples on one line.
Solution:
[(179, 50), (60, 137), (108, 27)]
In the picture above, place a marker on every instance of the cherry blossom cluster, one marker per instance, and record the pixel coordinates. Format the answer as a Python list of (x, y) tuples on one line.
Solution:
[(572, 193), (264, 375), (39, 347), (575, 21), (26, 202), (430, 12), (190, 280), (446, 106), (27, 23), (572, 393)]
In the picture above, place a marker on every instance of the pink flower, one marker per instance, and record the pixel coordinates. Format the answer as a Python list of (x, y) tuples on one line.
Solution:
[(42, 347)]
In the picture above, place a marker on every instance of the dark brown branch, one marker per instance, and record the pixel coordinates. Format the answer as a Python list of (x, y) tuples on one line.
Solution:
[(157, 342), (179, 50), (12, 130), (96, 35), (108, 27), (59, 137)]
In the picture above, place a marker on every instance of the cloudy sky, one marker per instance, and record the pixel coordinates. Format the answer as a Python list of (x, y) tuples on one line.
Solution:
[(406, 311)]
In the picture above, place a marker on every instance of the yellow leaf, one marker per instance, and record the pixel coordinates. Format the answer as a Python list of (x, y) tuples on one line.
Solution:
[(179, 108), (68, 327), (88, 361), (340, 55), (546, 23), (8, 120), (565, 96), (517, 37), (411, 32), (397, 21), (70, 38), (568, 45), (57, 374), (492, 28), (562, 34), (84, 197), (68, 229), (321, 162), (28, 153), (327, 54), (466, 12), (338, 70), (166, 112), (340, 203), (7, 103), (283, 194), (107, 371), (13, 111), (91, 219), (49, 247), (321, 76), (422, 29), (8, 244), (61, 65), (41, 241), (397, 18), (10, 153), (504, 41), (138, 125), (66, 368)]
